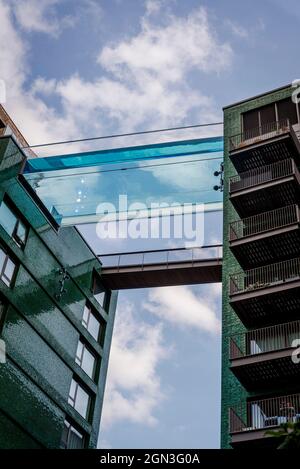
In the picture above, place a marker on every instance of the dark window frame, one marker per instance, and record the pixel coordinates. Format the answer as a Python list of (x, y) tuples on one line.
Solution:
[(70, 427), (101, 321), (96, 278), (90, 398), (11, 281), (20, 219), (258, 109), (80, 359)]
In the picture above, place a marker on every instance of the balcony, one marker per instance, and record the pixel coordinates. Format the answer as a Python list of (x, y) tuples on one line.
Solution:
[(262, 358), (271, 142), (250, 420), (267, 295), (263, 189), (271, 235)]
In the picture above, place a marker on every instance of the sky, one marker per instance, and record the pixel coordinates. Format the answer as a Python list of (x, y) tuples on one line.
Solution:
[(81, 68)]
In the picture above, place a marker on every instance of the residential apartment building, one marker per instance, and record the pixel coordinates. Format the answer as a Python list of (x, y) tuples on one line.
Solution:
[(261, 268), (56, 320)]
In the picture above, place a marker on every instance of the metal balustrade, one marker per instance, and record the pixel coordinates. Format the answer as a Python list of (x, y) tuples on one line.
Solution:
[(262, 175), (161, 256), (264, 340), (263, 222), (264, 413), (258, 134), (265, 276)]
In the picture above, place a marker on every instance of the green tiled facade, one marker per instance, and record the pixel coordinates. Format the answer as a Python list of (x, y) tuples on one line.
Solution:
[(232, 390), (40, 328)]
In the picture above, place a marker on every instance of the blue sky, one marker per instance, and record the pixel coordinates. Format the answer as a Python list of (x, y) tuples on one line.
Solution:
[(78, 68)]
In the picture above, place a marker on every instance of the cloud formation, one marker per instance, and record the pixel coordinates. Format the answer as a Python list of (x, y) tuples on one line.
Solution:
[(182, 307), (133, 389), (40, 16), (142, 81)]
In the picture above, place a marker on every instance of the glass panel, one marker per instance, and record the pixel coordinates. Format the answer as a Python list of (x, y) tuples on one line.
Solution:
[(65, 433), (2, 258), (7, 219), (82, 402), (9, 272), (173, 173), (75, 439), (88, 363), (86, 314), (71, 438), (21, 232), (72, 392), (78, 358), (100, 297), (94, 326), (99, 292)]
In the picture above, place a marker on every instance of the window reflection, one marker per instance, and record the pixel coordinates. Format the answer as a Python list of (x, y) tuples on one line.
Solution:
[(85, 359), (12, 224), (7, 268), (79, 399)]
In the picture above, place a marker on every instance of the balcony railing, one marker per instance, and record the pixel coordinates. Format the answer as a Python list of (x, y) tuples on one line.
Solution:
[(262, 175), (264, 413), (257, 134), (264, 222), (265, 276), (267, 339), (162, 256)]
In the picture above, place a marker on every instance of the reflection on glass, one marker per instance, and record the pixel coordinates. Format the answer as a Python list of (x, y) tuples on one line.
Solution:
[(7, 219), (7, 268), (12, 224), (79, 399), (100, 293), (173, 173), (91, 323), (85, 359), (71, 438)]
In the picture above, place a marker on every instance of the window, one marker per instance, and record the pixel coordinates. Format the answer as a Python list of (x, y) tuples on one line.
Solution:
[(267, 114), (287, 109), (250, 121), (100, 293), (260, 117), (93, 325), (79, 399), (7, 268), (2, 313), (12, 224), (85, 359), (71, 438)]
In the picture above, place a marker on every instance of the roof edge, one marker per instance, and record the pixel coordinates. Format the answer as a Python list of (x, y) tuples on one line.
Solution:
[(257, 96)]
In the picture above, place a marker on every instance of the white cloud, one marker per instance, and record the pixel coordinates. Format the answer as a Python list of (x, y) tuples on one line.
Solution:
[(153, 6), (237, 29), (181, 306), (133, 390), (171, 50), (40, 16), (143, 82)]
